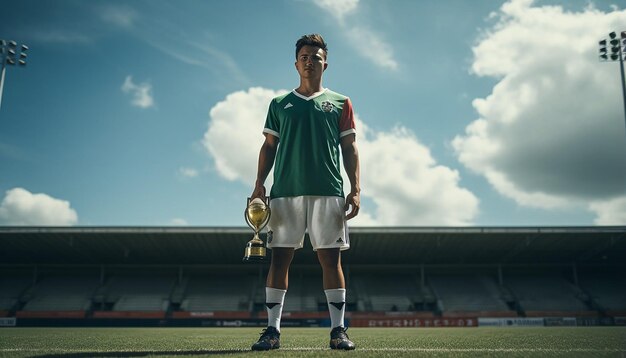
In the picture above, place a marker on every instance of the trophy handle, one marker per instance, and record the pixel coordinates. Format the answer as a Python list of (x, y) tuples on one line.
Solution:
[(269, 211), (245, 215)]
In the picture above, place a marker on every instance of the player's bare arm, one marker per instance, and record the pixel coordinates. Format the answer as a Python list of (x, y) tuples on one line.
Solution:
[(351, 163), (266, 161)]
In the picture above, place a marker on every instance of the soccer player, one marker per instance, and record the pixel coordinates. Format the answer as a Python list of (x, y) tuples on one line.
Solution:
[(310, 123)]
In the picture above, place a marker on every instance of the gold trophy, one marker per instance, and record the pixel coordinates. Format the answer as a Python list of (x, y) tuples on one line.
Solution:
[(257, 215)]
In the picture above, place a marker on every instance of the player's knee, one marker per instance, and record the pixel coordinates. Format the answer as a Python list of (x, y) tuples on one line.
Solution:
[(329, 258), (281, 257)]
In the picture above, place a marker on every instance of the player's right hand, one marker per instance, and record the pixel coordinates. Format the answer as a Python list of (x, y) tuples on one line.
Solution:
[(353, 203), (259, 192)]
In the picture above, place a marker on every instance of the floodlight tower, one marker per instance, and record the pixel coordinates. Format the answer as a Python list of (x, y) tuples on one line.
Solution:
[(618, 53), (9, 56)]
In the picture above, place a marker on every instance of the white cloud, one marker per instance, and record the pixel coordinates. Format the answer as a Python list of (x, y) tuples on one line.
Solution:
[(407, 185), (179, 222), (377, 50), (338, 8), (211, 54), (188, 172), (201, 54), (190, 47), (398, 173), (141, 93), (357, 32), (20, 207), (235, 135), (121, 16), (62, 37), (610, 212), (73, 31), (551, 133)]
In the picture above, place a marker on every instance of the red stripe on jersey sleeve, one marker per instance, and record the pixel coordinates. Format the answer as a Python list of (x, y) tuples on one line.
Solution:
[(347, 117)]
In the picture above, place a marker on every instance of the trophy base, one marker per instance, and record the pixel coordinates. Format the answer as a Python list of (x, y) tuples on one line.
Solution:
[(255, 252), (253, 259)]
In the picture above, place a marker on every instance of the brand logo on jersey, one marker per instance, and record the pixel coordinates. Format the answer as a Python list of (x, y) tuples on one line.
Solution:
[(328, 106), (289, 105), (340, 240)]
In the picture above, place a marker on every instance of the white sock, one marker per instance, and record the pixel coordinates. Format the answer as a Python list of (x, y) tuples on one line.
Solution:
[(336, 298), (274, 300)]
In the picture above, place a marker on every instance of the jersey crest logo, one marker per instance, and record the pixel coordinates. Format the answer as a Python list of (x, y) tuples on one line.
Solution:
[(328, 106)]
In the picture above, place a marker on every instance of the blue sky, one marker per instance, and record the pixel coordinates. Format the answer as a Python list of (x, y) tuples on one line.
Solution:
[(127, 108)]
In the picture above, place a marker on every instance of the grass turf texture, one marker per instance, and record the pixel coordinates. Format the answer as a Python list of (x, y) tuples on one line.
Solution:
[(313, 342)]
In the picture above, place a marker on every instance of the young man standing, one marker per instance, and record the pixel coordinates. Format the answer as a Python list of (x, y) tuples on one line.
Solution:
[(311, 123)]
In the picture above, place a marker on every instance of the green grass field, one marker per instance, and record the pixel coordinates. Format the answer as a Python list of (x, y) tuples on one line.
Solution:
[(313, 342)]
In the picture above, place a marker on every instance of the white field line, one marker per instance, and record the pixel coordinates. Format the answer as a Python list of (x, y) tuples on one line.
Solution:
[(476, 350)]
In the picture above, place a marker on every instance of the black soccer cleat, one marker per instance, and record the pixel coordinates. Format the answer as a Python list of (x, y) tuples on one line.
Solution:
[(270, 339), (339, 339)]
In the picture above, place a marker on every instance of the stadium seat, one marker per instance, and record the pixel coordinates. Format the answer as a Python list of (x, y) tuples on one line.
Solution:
[(62, 293), (545, 292), (607, 291), (217, 293), (387, 292), (135, 292), (467, 292)]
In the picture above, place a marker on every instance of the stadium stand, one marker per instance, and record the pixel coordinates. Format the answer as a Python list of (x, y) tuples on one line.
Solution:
[(305, 294), (395, 276), (138, 292), (63, 293), (11, 289), (469, 293), (606, 291), (56, 296), (538, 294), (217, 293), (388, 292)]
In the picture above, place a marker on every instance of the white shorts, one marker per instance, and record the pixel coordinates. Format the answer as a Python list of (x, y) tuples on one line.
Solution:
[(322, 216)]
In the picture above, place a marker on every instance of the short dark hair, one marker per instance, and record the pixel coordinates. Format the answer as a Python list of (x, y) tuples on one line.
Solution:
[(311, 40)]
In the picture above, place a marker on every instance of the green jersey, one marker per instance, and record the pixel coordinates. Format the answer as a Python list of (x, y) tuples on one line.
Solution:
[(309, 131)]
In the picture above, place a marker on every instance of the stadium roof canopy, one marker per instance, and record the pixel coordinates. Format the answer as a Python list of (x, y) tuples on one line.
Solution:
[(369, 245)]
